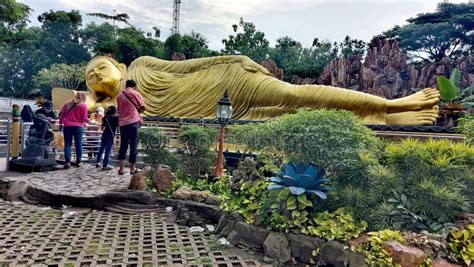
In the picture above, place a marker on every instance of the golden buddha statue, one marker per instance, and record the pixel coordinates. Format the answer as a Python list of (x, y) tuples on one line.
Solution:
[(191, 89)]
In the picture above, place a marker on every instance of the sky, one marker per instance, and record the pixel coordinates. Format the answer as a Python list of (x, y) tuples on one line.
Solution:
[(303, 20)]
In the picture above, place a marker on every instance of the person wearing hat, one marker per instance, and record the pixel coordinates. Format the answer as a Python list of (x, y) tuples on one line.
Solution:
[(47, 110), (98, 115)]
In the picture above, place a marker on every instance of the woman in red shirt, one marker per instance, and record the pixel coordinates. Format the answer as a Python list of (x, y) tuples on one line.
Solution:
[(130, 104)]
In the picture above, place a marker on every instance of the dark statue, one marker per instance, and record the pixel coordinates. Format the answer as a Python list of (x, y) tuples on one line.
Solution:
[(37, 153)]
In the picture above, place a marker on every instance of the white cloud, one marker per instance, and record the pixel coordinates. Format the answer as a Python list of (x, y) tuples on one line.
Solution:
[(301, 19)]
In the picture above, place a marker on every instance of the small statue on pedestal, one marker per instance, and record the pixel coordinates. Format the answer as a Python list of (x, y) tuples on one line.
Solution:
[(37, 153)]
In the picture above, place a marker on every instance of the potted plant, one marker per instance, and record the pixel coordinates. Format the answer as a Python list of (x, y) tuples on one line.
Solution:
[(453, 101)]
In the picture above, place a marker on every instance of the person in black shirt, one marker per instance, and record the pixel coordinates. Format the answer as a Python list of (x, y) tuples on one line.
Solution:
[(47, 110), (109, 125), (26, 114)]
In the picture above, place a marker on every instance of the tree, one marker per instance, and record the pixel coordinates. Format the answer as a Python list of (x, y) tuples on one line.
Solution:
[(13, 15), (303, 62), (70, 76), (60, 37), (173, 44), (248, 41), (132, 43), (349, 47), (120, 17), (447, 32), (32, 49), (21, 60), (194, 45), (129, 44), (99, 39)]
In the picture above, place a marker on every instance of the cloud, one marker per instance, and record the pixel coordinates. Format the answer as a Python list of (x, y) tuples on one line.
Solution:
[(301, 19)]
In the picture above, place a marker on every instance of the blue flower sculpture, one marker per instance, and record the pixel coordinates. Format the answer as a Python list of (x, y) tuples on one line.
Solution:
[(301, 179)]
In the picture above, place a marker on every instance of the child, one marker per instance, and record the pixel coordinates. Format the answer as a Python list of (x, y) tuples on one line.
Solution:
[(109, 125)]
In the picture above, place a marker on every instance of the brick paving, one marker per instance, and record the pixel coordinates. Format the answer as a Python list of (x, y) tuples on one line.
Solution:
[(30, 235)]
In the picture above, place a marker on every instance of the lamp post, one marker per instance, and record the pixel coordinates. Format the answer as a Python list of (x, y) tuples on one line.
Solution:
[(223, 113)]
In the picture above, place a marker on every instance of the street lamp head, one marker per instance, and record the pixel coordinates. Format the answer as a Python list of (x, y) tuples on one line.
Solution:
[(224, 109)]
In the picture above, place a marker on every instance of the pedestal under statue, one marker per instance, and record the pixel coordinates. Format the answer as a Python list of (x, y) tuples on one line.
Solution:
[(37, 154)]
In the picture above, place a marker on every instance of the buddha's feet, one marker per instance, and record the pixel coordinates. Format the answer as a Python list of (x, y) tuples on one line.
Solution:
[(421, 117), (424, 99)]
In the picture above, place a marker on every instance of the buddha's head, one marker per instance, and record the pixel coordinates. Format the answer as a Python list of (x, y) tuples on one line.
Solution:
[(105, 76)]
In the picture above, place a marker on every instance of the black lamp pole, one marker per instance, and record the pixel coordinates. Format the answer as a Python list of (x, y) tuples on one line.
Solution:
[(224, 113)]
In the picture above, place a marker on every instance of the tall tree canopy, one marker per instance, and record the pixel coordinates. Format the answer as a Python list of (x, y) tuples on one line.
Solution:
[(447, 32), (247, 41), (13, 14)]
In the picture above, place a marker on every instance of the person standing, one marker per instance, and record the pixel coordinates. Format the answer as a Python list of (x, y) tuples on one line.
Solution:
[(72, 119), (109, 125), (26, 114), (130, 104)]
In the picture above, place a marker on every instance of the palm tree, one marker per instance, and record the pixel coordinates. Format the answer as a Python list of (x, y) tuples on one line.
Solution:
[(122, 17)]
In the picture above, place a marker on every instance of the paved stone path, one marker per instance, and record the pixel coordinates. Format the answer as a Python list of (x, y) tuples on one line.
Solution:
[(31, 235), (85, 181)]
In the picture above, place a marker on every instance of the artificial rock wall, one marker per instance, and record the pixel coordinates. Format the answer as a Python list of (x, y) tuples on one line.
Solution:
[(385, 72)]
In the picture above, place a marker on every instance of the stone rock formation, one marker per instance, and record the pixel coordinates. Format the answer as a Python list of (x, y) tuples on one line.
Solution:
[(176, 56), (343, 72), (271, 66), (163, 178), (295, 79), (385, 71)]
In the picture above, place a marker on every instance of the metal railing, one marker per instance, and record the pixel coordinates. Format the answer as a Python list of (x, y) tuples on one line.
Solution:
[(90, 145), (5, 140)]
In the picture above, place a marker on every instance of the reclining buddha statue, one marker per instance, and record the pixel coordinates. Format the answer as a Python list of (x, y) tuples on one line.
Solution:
[(191, 89)]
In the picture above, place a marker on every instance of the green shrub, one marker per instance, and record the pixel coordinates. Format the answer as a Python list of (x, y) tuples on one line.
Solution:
[(330, 139), (247, 201), (339, 225), (416, 185), (153, 147), (466, 127), (433, 185), (285, 212), (197, 158), (435, 176)]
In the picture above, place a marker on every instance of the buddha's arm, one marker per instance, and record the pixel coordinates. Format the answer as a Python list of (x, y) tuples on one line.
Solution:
[(194, 65)]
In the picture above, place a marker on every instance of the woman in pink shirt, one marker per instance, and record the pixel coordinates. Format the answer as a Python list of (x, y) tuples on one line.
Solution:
[(130, 104), (72, 119)]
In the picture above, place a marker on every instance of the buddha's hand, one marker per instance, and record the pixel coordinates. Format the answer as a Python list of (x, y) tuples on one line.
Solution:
[(251, 66)]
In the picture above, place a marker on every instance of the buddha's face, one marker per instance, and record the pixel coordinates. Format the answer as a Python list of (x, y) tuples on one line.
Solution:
[(103, 76)]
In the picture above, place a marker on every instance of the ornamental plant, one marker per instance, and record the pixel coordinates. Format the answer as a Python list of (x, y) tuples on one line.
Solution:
[(450, 92), (329, 139), (301, 179), (461, 243), (339, 225), (375, 254), (153, 145), (466, 127), (196, 141)]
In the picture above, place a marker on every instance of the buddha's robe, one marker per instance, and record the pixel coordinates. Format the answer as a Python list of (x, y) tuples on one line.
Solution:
[(191, 89)]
